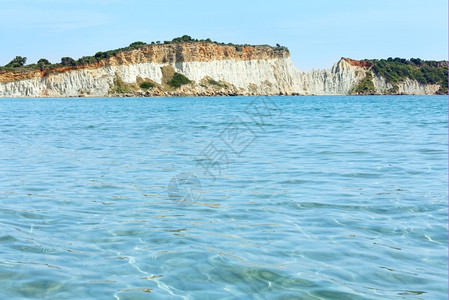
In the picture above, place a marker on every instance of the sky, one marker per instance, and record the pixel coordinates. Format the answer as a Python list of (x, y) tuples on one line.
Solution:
[(317, 32)]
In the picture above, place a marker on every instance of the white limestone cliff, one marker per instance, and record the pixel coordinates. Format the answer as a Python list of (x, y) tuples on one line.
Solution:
[(407, 87), (268, 76)]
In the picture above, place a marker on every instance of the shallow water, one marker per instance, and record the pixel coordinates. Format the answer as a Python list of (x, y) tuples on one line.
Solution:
[(292, 197)]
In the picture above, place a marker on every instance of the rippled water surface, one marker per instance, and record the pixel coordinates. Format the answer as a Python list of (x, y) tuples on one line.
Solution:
[(300, 198)]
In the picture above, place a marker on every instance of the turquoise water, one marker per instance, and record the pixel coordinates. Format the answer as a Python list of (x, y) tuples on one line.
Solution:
[(292, 198)]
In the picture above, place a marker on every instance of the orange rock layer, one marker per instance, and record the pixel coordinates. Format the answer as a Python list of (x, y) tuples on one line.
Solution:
[(358, 63)]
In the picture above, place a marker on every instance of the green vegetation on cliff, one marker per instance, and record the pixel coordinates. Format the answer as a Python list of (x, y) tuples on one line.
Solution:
[(238, 47), (103, 55), (17, 62), (216, 83), (171, 81), (365, 86), (178, 80), (43, 63), (119, 86), (146, 85), (396, 70)]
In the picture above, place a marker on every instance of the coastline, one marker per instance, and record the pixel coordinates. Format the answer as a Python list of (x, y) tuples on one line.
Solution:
[(208, 70)]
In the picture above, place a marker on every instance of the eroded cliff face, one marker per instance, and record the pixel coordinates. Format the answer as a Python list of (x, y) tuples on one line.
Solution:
[(213, 69), (336, 81), (407, 87)]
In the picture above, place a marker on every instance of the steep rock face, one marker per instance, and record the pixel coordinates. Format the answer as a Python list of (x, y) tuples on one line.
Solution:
[(270, 76), (336, 81), (407, 87), (273, 76), (258, 69), (250, 70)]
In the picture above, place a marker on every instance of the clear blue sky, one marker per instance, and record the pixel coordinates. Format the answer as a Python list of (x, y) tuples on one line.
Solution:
[(318, 32)]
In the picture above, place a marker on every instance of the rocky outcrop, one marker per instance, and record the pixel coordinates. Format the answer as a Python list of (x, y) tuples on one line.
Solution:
[(213, 69), (406, 87), (336, 81)]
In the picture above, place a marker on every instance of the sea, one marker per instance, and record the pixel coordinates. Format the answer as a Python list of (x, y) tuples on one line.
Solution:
[(317, 197)]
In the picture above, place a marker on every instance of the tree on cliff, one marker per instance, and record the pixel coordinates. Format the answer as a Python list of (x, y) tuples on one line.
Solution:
[(137, 45), (68, 61), (42, 63), (184, 39), (17, 62)]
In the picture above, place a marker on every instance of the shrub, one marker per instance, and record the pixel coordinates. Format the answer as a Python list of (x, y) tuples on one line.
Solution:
[(146, 85), (184, 39), (214, 82), (68, 61), (365, 86), (101, 55), (137, 45), (42, 63), (85, 60), (17, 62), (178, 80), (119, 86)]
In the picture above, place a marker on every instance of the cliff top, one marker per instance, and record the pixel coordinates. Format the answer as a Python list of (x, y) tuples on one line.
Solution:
[(179, 44), (397, 69), (180, 49)]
